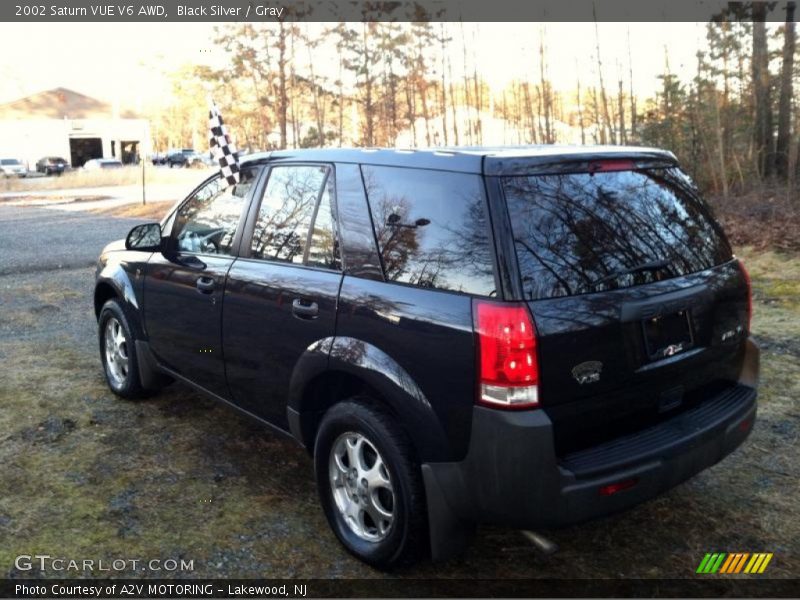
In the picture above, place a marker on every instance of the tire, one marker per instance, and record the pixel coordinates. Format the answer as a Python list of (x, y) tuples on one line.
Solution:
[(359, 428), (120, 363)]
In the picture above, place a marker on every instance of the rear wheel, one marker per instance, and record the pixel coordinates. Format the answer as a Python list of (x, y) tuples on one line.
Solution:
[(370, 484), (118, 351)]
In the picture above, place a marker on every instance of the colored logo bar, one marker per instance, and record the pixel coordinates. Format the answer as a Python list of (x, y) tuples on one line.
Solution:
[(735, 562)]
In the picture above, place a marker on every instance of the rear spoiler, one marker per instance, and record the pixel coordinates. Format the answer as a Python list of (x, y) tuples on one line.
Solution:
[(590, 162)]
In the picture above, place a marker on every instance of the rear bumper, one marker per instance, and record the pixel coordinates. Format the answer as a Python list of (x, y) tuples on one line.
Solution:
[(512, 477)]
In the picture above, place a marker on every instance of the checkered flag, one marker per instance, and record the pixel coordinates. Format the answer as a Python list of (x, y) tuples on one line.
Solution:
[(222, 149)]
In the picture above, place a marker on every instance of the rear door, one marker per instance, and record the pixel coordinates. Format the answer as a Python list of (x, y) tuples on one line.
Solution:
[(281, 294), (184, 286), (639, 307)]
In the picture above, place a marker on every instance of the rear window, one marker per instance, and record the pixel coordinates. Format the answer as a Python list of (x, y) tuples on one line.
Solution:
[(432, 228), (579, 233)]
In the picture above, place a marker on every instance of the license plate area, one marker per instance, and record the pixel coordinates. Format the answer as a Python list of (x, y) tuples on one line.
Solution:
[(667, 335)]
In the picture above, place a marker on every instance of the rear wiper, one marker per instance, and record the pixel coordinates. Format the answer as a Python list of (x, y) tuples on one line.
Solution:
[(655, 265)]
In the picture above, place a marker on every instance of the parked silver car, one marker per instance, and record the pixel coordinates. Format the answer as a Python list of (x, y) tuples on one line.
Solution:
[(11, 167)]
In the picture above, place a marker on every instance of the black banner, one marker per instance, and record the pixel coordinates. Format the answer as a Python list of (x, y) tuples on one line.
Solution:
[(187, 11), (702, 586)]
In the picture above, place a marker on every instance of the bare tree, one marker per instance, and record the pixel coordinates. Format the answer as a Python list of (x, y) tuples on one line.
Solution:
[(785, 101), (764, 155)]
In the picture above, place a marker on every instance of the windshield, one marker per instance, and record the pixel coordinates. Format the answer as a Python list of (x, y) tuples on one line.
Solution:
[(10, 161), (578, 233)]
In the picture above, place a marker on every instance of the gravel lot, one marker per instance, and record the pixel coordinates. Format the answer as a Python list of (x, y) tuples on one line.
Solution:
[(85, 475)]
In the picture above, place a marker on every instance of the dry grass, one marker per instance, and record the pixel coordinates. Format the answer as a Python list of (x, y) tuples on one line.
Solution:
[(79, 178), (765, 218), (86, 474), (150, 211)]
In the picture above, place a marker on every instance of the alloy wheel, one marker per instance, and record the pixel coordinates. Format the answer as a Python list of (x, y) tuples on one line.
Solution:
[(362, 488), (116, 352)]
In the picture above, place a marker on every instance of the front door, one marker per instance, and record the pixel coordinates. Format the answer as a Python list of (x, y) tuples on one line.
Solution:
[(281, 294), (184, 286)]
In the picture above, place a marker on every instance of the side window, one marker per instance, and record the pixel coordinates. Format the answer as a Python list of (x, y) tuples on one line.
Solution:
[(323, 249), (286, 213), (207, 222), (432, 228)]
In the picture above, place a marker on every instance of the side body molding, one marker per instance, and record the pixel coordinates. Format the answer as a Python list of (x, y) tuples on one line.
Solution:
[(351, 356)]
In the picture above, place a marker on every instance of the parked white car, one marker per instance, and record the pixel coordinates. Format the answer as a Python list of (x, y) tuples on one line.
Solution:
[(11, 167)]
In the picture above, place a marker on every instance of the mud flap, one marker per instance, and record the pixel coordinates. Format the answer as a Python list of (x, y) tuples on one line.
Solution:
[(449, 535), (150, 375)]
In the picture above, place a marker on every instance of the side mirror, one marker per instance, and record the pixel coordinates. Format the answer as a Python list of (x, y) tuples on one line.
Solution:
[(144, 237)]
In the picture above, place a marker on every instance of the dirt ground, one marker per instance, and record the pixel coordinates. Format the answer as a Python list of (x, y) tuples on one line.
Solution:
[(86, 475)]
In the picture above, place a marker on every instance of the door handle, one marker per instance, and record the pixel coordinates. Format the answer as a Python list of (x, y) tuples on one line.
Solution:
[(205, 285), (304, 310)]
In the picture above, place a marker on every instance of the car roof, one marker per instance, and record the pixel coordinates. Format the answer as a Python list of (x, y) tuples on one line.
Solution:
[(488, 160)]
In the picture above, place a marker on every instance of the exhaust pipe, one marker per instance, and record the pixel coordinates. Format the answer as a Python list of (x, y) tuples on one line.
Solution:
[(543, 546)]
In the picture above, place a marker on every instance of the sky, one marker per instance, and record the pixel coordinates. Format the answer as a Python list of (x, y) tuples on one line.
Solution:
[(129, 62)]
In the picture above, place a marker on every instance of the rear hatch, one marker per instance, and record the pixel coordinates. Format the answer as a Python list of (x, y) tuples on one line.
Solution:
[(640, 308)]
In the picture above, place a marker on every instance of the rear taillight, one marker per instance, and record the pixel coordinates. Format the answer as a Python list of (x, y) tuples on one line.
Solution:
[(508, 369), (749, 294)]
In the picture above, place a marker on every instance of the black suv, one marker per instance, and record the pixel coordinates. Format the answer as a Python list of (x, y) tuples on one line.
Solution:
[(183, 158), (51, 164), (528, 337)]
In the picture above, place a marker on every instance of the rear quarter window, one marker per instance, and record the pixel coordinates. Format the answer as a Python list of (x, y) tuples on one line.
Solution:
[(432, 228), (579, 233)]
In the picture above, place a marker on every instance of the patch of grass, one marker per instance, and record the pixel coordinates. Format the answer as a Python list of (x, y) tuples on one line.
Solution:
[(78, 178), (151, 211), (770, 264)]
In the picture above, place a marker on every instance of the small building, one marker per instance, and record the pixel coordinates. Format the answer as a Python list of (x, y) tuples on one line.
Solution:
[(61, 122)]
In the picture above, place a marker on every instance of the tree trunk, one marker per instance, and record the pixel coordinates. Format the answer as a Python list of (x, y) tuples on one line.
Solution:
[(785, 101), (623, 138), (293, 90), (283, 103), (546, 100), (368, 108), (341, 100), (454, 108), (478, 101), (723, 174), (443, 41), (606, 117), (630, 83), (467, 93), (316, 91), (411, 102), (580, 110), (764, 152)]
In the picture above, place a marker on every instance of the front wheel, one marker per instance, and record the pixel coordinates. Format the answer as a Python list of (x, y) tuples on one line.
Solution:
[(118, 351), (370, 484)]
